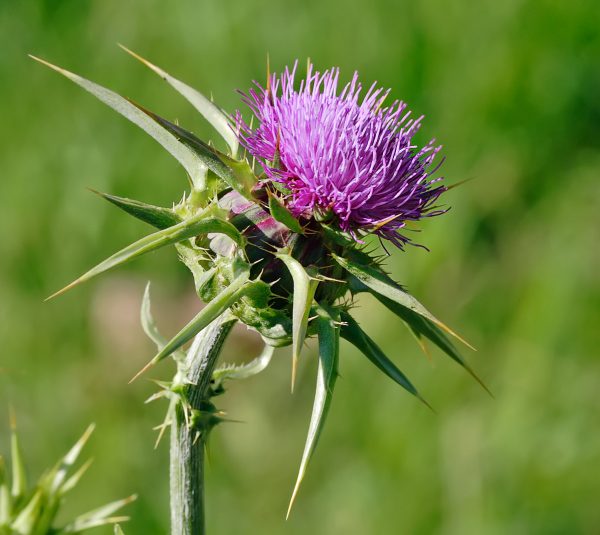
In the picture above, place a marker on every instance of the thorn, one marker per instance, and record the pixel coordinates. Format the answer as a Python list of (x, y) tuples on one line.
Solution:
[(456, 335), (382, 222), (293, 498), (459, 183), (12, 418), (151, 66), (64, 290), (294, 370), (161, 432), (144, 369), (269, 78), (422, 400)]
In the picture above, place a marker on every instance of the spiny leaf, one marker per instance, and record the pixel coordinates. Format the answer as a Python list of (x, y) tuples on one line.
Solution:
[(72, 482), (5, 501), (157, 216), (99, 517), (211, 112), (380, 283), (190, 161), (305, 287), (243, 371), (27, 518), (283, 215), (210, 312), (149, 325), (237, 174), (422, 326), (19, 478), (202, 223), (327, 374), (58, 475), (352, 332)]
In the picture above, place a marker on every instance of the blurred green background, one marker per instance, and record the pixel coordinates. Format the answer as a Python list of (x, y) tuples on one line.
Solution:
[(512, 90)]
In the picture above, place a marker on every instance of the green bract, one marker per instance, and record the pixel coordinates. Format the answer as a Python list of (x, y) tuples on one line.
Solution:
[(254, 262)]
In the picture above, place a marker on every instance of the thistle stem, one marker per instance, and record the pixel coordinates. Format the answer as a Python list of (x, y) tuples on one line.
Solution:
[(188, 438)]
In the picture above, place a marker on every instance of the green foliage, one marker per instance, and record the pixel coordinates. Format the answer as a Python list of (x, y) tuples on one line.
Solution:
[(352, 332), (329, 345), (26, 510), (211, 112)]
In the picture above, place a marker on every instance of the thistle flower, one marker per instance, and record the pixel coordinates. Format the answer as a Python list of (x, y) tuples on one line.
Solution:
[(340, 156), (279, 245)]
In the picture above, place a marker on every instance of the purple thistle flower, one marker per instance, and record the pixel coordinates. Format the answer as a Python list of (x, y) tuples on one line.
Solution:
[(339, 156)]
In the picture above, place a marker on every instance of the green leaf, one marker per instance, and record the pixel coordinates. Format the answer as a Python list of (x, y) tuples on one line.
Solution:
[(72, 482), (118, 530), (423, 327), (243, 371), (381, 284), (305, 287), (202, 223), (283, 215), (237, 174), (329, 340), (19, 477), (219, 304), (5, 501), (58, 474), (99, 517), (190, 161), (211, 112), (149, 325), (352, 332), (26, 521), (157, 216)]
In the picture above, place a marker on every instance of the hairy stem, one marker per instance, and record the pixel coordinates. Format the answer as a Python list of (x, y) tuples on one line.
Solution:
[(188, 441)]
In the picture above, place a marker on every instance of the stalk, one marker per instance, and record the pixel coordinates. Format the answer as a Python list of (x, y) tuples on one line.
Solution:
[(190, 428)]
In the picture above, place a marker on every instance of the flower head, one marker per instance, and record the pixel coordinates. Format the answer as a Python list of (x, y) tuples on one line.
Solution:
[(340, 155)]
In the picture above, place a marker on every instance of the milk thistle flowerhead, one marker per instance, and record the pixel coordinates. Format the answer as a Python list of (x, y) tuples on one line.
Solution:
[(340, 155), (276, 235)]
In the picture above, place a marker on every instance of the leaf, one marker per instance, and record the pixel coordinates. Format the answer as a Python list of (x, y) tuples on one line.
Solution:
[(57, 476), (118, 530), (72, 482), (329, 340), (283, 215), (352, 332), (19, 477), (99, 517), (211, 112), (423, 327), (202, 223), (219, 304), (380, 283), (237, 174), (26, 520), (5, 501), (157, 216), (231, 371), (305, 287), (190, 161), (149, 326)]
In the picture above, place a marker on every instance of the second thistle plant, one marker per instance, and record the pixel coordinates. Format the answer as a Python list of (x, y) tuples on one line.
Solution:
[(274, 233)]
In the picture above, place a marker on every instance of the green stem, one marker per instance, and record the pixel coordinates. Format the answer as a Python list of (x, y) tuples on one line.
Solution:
[(187, 446)]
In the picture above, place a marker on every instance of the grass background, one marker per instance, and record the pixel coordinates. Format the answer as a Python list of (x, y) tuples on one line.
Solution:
[(512, 91)]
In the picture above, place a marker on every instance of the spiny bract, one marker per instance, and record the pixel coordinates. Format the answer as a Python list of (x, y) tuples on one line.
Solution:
[(279, 244)]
